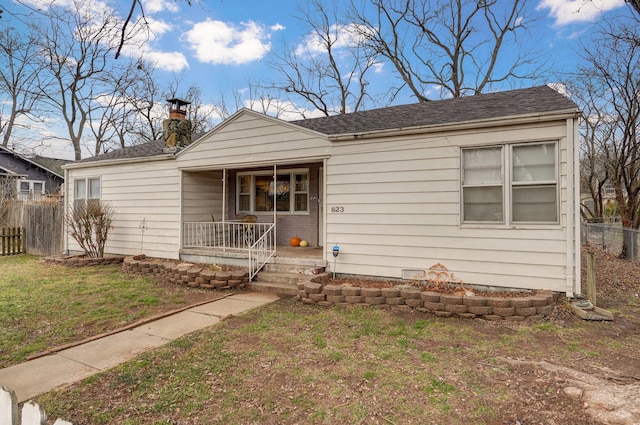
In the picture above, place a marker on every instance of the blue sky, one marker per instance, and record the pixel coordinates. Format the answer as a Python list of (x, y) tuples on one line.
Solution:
[(220, 45)]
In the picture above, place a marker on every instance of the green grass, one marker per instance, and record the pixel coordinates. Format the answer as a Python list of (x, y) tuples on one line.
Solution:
[(43, 306), (290, 363)]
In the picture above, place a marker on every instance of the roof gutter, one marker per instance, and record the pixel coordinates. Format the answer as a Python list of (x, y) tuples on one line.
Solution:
[(77, 165), (460, 125)]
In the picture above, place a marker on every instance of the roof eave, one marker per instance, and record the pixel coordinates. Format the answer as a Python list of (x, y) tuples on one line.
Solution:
[(461, 125), (17, 155), (120, 161)]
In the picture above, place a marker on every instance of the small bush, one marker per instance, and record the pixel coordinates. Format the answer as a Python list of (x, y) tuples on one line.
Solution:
[(89, 224)]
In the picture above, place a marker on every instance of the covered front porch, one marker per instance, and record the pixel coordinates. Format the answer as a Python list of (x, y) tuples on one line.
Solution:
[(243, 216)]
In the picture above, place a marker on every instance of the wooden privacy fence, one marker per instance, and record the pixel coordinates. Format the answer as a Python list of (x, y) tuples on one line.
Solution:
[(11, 240), (44, 228), (32, 413)]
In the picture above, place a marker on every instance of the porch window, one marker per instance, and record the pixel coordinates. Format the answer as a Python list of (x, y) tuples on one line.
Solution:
[(85, 190), (255, 192), (529, 172)]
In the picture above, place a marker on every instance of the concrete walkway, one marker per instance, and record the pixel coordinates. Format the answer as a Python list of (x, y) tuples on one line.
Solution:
[(65, 367)]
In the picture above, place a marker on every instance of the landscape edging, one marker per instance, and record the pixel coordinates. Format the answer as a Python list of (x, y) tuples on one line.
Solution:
[(536, 306)]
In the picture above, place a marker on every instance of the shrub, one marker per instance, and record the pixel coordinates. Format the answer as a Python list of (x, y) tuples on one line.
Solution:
[(89, 224)]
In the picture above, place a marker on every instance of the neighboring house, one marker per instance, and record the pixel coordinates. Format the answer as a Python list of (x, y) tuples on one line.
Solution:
[(35, 177), (486, 186)]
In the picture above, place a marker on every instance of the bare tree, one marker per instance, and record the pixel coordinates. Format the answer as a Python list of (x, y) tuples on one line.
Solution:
[(330, 70), (635, 4), (76, 47), (199, 113), (457, 46), (18, 79), (613, 67), (7, 196), (597, 129)]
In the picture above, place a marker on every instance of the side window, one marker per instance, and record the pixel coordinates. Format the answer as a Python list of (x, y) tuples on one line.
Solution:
[(534, 183), (529, 172), (482, 185), (85, 190)]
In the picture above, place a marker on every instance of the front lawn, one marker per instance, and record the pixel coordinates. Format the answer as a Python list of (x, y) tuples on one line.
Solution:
[(43, 306), (290, 363)]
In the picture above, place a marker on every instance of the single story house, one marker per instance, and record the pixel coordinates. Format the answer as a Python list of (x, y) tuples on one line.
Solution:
[(485, 187), (34, 178)]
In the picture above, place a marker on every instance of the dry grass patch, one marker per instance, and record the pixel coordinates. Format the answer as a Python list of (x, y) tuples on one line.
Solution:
[(42, 306)]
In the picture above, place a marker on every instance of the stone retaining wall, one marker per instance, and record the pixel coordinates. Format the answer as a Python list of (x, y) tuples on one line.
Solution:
[(80, 261), (186, 273), (536, 306)]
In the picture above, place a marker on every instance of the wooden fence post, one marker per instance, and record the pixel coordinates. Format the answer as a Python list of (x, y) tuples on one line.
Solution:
[(591, 277)]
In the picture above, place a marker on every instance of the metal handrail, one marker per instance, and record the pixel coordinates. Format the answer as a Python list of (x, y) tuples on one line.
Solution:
[(261, 251), (258, 239)]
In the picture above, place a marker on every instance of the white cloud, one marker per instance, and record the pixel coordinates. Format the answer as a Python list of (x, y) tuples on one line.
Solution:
[(342, 36), (168, 61), (155, 6), (218, 42), (143, 46), (566, 12), (277, 27)]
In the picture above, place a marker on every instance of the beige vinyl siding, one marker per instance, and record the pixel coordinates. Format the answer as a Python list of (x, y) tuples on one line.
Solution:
[(146, 191), (401, 200), (202, 196), (252, 139)]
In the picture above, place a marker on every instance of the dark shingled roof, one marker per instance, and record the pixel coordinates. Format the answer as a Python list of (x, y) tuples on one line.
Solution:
[(53, 164), (471, 108), (143, 150)]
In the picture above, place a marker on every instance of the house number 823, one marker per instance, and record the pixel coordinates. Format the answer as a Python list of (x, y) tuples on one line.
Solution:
[(337, 209)]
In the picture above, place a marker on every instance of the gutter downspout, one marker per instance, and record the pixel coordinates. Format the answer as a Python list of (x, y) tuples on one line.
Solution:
[(570, 221), (576, 213), (66, 195), (275, 205), (324, 209)]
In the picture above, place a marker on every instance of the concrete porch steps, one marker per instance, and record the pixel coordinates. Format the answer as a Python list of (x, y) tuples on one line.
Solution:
[(282, 276), (277, 282), (273, 287)]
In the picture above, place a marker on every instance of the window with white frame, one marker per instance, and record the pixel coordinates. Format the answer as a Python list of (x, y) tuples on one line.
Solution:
[(516, 183), (31, 186), (257, 192), (86, 189)]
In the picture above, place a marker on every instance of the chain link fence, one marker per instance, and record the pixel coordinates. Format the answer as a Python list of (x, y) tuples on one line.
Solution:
[(614, 239)]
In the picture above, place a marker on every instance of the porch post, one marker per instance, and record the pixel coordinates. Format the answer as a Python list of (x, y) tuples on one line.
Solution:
[(275, 205), (224, 209)]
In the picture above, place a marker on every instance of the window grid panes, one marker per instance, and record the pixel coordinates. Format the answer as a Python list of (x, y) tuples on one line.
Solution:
[(244, 193), (256, 192), (301, 192)]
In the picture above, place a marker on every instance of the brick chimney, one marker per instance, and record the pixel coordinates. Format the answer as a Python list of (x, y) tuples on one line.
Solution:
[(177, 128)]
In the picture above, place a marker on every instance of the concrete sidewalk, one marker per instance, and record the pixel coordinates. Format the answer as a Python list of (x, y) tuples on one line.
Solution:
[(65, 367)]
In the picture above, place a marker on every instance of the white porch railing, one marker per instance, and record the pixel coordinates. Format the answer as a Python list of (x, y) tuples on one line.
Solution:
[(257, 239), (261, 251)]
